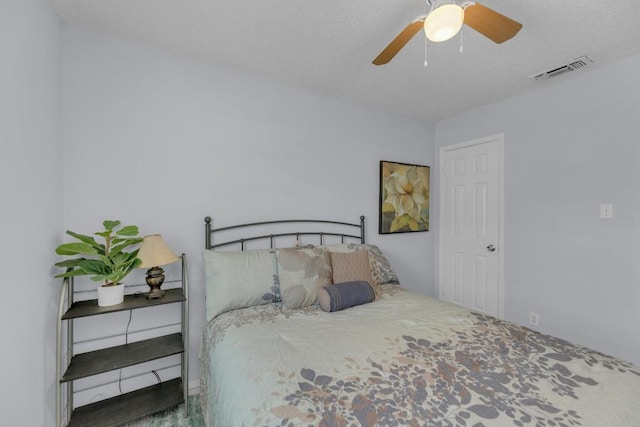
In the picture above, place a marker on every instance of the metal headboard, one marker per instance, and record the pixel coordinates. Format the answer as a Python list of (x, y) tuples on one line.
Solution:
[(209, 232)]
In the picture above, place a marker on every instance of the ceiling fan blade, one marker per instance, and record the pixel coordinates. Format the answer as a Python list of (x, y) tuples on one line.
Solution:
[(398, 43), (490, 23)]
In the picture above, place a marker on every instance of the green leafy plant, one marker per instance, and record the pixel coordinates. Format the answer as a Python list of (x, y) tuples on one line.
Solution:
[(107, 262)]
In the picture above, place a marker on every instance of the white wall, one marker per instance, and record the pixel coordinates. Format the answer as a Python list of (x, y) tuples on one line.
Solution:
[(163, 141), (570, 146), (31, 213)]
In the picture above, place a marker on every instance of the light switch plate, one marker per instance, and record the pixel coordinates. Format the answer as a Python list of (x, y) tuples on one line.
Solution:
[(606, 211)]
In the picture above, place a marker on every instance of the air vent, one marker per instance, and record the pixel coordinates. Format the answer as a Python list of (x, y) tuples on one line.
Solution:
[(574, 65)]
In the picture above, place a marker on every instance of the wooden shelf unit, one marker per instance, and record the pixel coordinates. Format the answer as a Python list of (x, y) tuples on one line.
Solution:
[(138, 403)]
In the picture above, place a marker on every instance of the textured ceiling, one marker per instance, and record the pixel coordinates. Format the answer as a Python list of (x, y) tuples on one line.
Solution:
[(328, 45)]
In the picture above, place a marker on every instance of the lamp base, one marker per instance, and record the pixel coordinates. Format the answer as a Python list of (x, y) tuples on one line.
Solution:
[(155, 278), (155, 294)]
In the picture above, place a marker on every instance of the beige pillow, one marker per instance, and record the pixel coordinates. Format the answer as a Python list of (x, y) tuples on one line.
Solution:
[(351, 266), (380, 267), (301, 274)]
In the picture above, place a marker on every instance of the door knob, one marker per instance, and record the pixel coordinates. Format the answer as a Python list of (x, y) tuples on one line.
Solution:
[(491, 248)]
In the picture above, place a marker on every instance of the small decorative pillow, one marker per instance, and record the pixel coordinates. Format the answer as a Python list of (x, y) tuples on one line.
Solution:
[(351, 266), (301, 274), (344, 295), (381, 270), (380, 266), (239, 279)]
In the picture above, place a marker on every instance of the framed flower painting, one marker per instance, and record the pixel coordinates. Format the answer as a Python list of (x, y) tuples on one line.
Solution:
[(404, 198)]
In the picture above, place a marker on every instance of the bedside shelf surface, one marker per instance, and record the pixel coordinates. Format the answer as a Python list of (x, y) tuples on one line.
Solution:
[(130, 406), (107, 359), (91, 307)]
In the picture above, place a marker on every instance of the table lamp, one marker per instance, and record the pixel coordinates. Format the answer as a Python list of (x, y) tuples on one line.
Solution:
[(153, 253)]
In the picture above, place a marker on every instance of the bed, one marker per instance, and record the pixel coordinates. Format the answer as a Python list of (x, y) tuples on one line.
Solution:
[(286, 345)]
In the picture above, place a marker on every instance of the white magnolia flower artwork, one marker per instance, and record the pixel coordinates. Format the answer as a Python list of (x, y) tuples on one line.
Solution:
[(404, 197)]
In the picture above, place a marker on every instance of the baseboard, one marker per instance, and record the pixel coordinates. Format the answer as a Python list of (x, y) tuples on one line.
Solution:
[(194, 387)]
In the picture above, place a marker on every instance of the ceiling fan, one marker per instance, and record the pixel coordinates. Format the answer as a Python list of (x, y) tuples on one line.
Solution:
[(445, 19)]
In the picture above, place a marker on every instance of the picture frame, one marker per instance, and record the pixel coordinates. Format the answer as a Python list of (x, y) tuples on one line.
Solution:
[(404, 198)]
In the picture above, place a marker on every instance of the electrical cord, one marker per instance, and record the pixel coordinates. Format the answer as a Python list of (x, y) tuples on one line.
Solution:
[(126, 341)]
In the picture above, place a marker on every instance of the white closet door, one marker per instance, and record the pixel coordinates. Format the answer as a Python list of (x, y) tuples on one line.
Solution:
[(471, 201)]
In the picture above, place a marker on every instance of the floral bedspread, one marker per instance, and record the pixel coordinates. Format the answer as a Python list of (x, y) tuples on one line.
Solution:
[(405, 360)]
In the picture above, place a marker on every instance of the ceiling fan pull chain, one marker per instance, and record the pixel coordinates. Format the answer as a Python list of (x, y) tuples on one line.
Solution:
[(425, 52)]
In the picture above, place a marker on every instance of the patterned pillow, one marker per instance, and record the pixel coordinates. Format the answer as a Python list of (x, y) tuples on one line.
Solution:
[(351, 266), (301, 274), (345, 295), (239, 279), (381, 270)]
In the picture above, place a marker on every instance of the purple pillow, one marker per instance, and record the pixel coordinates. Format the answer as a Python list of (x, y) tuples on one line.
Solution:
[(344, 295)]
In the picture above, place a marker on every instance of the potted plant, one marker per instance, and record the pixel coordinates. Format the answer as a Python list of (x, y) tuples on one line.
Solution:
[(107, 262)]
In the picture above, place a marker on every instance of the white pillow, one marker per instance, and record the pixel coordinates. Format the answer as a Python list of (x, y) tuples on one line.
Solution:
[(239, 279)]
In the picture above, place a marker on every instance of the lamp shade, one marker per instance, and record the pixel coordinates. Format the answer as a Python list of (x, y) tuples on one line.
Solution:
[(444, 22), (155, 252)]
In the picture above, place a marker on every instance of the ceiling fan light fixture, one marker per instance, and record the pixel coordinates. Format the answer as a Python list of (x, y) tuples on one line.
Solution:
[(443, 22)]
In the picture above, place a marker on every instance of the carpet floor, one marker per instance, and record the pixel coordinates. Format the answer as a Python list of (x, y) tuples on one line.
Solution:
[(174, 417)]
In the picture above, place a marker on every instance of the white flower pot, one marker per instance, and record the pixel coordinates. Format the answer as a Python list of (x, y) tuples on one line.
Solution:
[(110, 295)]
